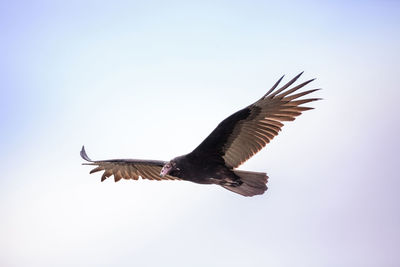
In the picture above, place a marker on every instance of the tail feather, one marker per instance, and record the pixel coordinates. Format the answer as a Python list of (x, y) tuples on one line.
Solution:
[(254, 183)]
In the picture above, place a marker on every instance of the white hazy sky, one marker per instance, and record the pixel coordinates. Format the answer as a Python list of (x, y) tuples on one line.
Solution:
[(151, 80)]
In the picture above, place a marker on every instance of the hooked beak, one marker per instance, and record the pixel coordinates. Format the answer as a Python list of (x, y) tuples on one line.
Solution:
[(165, 170)]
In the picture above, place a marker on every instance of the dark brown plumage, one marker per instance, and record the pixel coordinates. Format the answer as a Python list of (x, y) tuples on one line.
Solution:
[(232, 142)]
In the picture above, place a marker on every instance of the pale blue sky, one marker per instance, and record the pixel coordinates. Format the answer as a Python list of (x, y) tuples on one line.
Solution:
[(151, 80)]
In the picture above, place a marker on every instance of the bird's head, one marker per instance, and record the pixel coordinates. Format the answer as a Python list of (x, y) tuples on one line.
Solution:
[(169, 168)]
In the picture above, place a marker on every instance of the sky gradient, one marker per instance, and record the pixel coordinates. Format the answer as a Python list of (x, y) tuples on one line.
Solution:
[(151, 80)]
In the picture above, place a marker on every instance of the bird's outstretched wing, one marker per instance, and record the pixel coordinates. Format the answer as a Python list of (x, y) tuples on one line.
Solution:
[(128, 168), (247, 131)]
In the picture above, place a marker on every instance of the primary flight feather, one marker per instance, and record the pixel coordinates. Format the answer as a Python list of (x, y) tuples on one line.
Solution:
[(232, 142)]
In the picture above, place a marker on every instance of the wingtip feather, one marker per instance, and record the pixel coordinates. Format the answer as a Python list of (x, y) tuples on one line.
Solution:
[(84, 155), (97, 169), (273, 87), (298, 76), (273, 93)]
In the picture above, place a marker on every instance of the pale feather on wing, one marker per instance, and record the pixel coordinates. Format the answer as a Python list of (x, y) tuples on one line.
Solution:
[(128, 168), (265, 121)]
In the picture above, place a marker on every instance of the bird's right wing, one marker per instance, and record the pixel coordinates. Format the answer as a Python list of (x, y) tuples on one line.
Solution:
[(128, 168)]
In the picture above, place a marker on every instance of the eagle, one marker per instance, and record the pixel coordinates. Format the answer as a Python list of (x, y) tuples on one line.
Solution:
[(230, 144)]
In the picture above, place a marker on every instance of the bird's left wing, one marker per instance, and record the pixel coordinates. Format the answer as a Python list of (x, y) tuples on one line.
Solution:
[(128, 168), (247, 131)]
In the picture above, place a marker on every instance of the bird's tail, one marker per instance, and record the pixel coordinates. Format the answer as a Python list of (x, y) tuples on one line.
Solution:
[(253, 183)]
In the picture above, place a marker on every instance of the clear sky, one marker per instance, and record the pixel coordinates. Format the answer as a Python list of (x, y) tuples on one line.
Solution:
[(150, 80)]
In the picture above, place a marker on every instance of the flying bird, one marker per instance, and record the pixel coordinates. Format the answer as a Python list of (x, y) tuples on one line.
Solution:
[(230, 144)]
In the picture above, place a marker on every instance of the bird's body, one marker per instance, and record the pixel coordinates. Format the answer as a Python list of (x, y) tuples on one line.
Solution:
[(193, 167), (232, 142)]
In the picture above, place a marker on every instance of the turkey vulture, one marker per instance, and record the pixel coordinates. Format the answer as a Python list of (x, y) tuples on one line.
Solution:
[(234, 141)]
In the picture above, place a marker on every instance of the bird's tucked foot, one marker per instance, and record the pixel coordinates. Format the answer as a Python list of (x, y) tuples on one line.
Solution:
[(227, 182)]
